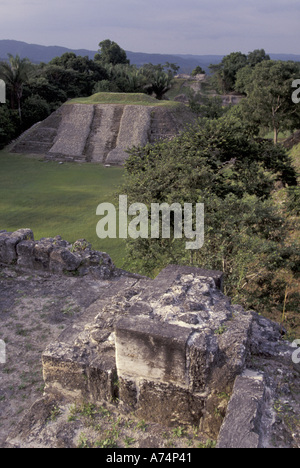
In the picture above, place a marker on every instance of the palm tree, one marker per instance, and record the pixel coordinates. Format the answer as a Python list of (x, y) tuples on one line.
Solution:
[(161, 83), (16, 73)]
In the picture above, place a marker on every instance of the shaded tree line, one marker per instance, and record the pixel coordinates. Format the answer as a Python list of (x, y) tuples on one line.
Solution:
[(247, 235), (266, 85)]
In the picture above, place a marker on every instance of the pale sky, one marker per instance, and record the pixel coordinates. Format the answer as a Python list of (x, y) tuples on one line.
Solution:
[(156, 26)]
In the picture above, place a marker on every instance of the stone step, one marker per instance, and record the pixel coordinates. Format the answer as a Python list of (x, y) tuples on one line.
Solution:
[(104, 132), (73, 132), (134, 130)]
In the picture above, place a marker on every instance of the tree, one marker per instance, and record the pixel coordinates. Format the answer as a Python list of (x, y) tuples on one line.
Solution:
[(224, 74), (198, 71), (160, 84), (214, 162), (9, 125), (35, 109), (16, 73), (122, 78), (257, 56), (171, 68), (158, 78), (243, 79), (111, 52), (40, 86), (78, 74), (268, 87), (204, 106)]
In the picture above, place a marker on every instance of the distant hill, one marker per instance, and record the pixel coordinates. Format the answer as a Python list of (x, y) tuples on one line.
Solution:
[(38, 53)]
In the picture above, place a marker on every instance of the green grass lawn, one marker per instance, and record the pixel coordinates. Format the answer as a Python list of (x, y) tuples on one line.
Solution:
[(57, 199), (122, 98)]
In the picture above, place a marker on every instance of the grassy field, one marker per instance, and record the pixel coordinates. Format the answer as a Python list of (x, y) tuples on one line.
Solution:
[(122, 98), (57, 199)]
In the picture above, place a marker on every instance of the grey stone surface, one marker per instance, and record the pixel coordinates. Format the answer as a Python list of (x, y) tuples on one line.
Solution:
[(40, 138), (9, 242), (177, 335), (73, 131), (173, 350), (104, 132), (134, 130), (146, 349), (242, 426)]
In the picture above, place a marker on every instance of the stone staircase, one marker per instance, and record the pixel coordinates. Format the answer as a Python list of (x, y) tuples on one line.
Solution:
[(134, 130), (72, 133), (104, 132)]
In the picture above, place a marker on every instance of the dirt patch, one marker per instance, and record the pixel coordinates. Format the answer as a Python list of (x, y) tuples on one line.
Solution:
[(34, 310), (53, 424)]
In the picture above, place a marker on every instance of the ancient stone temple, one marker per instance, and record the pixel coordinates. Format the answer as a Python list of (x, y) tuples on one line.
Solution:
[(101, 133), (174, 350)]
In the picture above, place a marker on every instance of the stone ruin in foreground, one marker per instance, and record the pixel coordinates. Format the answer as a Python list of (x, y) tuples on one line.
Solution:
[(171, 349)]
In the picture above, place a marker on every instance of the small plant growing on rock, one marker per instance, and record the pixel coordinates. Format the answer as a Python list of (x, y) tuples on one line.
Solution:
[(209, 444), (55, 412), (222, 329), (80, 245)]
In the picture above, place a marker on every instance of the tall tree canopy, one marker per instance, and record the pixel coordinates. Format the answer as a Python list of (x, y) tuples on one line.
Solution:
[(111, 52), (16, 73), (268, 87), (225, 73), (214, 162)]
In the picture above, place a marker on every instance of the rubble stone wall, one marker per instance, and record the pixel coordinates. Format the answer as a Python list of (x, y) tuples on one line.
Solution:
[(53, 255)]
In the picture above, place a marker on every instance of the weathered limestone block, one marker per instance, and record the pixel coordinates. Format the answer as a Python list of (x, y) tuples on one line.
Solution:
[(189, 340), (45, 255), (242, 426), (172, 350), (169, 404), (25, 253), (151, 350), (98, 264), (204, 355), (173, 345), (69, 371), (41, 253), (9, 242), (61, 260)]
